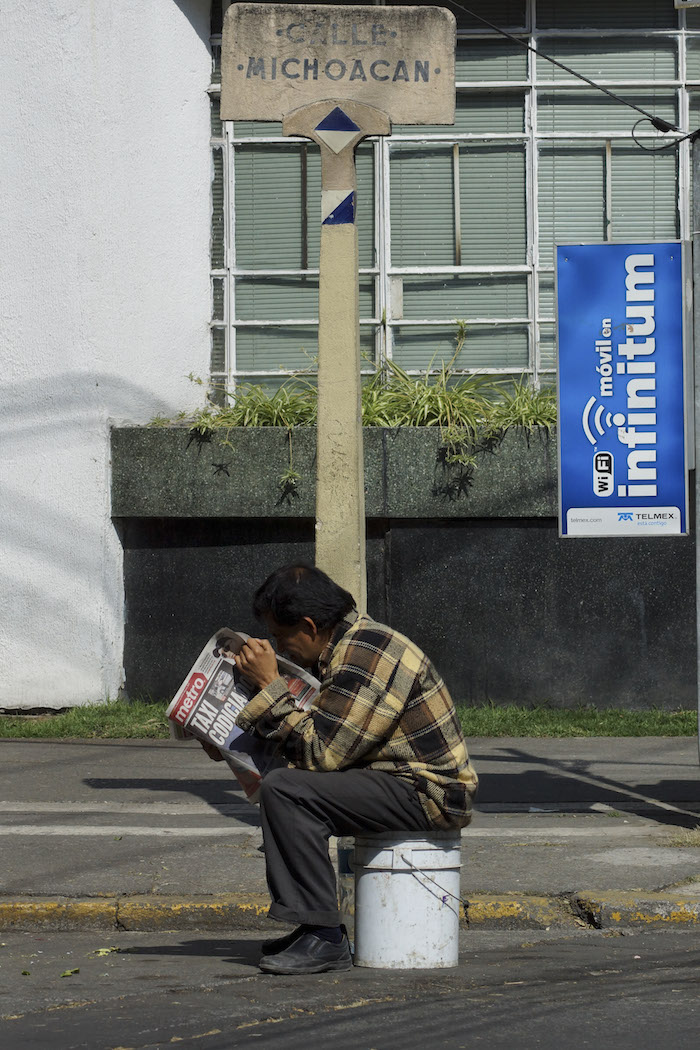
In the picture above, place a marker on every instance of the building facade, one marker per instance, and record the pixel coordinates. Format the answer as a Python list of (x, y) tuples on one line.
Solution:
[(144, 241)]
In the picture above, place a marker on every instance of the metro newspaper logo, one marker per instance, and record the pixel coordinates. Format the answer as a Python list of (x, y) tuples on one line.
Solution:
[(621, 390), (194, 687)]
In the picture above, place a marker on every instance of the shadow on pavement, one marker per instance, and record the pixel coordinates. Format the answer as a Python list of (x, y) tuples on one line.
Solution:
[(540, 781), (217, 793), (229, 949)]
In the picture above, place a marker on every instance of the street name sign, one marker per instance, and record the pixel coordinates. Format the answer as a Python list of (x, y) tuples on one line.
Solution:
[(336, 75), (278, 57), (622, 390)]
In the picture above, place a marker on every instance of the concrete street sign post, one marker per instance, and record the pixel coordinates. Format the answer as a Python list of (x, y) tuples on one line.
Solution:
[(340, 490), (335, 75)]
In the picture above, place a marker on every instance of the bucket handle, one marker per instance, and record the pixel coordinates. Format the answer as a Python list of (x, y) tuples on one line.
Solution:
[(447, 893)]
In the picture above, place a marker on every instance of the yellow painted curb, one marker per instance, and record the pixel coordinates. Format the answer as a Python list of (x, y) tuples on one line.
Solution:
[(601, 910), (58, 913), (529, 912), (237, 910), (606, 910)]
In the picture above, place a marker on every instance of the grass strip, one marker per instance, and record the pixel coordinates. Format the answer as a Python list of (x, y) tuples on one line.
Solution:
[(546, 721), (113, 720), (143, 720)]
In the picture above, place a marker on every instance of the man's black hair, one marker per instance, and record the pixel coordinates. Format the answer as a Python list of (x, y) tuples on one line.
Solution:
[(295, 591)]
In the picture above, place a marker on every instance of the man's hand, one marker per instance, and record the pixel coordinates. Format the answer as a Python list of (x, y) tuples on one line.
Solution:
[(257, 661), (213, 752)]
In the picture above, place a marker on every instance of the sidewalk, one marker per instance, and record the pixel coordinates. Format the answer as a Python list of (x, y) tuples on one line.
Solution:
[(146, 835)]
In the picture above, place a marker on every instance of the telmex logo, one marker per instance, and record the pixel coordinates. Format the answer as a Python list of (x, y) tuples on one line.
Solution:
[(625, 516)]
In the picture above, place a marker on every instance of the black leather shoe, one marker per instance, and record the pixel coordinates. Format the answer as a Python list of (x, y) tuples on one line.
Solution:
[(309, 954), (279, 944)]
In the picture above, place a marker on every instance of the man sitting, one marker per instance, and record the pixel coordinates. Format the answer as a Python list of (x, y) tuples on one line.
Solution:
[(380, 749)]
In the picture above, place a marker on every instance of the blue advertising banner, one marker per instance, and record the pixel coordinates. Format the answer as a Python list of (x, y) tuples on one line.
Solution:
[(622, 455)]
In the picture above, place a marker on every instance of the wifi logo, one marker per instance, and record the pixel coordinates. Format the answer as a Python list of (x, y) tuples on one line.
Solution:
[(595, 417), (603, 473)]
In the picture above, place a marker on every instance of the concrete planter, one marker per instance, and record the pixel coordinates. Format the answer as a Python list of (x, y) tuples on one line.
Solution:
[(167, 472)]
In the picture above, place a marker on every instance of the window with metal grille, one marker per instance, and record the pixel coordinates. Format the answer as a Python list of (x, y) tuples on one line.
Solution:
[(460, 222)]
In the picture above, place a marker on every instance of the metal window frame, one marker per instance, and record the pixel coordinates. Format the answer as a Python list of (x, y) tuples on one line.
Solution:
[(383, 271)]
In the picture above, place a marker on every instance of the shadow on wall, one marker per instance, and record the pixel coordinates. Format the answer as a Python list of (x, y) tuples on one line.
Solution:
[(60, 567), (69, 402), (198, 14)]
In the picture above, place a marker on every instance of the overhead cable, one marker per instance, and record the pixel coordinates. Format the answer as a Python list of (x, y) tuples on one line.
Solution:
[(658, 122)]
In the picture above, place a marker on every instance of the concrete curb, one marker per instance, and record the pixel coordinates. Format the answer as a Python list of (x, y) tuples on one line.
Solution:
[(247, 911), (519, 912), (149, 912), (608, 910)]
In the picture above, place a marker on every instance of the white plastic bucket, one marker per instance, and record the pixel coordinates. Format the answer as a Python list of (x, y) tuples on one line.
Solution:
[(407, 899)]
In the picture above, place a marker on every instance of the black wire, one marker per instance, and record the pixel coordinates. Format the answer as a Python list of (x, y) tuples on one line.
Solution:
[(668, 145), (658, 122), (650, 149)]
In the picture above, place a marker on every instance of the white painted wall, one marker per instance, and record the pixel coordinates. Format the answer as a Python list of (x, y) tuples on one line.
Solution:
[(104, 304)]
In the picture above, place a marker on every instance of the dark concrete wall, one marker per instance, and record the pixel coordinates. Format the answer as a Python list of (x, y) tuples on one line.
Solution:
[(508, 611), (469, 565), (513, 613), (185, 578)]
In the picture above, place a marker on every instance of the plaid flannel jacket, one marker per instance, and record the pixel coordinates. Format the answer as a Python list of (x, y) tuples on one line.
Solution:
[(383, 706)]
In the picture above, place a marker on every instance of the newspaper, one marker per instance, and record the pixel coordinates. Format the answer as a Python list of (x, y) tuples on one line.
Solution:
[(214, 693)]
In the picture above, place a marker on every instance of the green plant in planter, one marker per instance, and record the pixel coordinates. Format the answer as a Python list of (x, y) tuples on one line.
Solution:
[(459, 405), (291, 405), (524, 407), (472, 411)]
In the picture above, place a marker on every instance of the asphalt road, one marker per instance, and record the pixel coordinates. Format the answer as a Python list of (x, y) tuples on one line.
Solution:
[(95, 818), (553, 816), (547, 990)]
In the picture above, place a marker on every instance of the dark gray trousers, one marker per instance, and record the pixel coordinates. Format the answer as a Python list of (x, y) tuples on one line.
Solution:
[(300, 810)]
